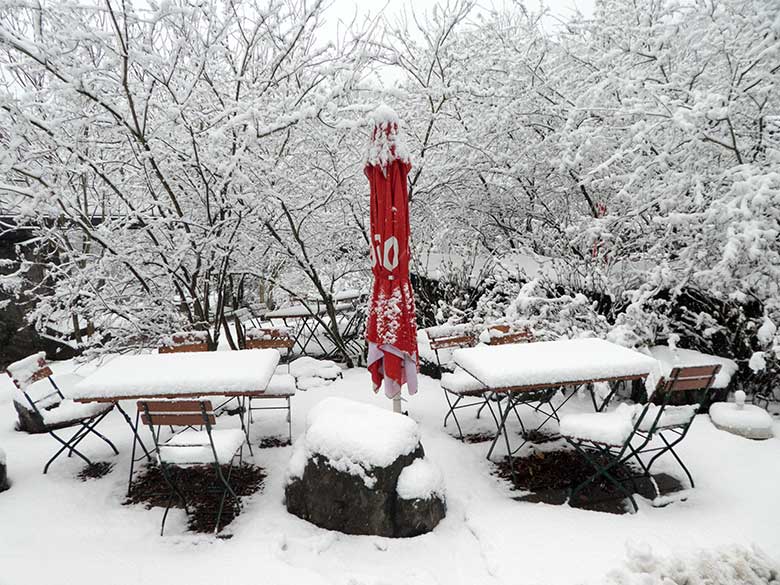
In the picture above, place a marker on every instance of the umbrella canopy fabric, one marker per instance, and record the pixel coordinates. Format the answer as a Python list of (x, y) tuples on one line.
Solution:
[(391, 331)]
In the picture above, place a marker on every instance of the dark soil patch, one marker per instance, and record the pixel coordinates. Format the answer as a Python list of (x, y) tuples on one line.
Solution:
[(478, 437), (538, 437), (270, 442), (95, 471), (550, 475), (201, 489)]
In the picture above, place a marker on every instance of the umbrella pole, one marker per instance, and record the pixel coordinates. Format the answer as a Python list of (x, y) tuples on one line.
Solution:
[(397, 403)]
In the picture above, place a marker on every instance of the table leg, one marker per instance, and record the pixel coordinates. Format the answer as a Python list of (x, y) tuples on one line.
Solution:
[(503, 431), (136, 441), (246, 406), (607, 399)]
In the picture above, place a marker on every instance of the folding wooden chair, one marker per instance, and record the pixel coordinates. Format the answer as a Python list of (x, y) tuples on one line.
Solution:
[(604, 439), (191, 447), (503, 335), (52, 412), (459, 385), (669, 423), (186, 341), (281, 386)]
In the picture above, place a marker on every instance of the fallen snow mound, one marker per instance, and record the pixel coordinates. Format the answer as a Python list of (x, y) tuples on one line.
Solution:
[(312, 373), (353, 437), (732, 565), (750, 421), (421, 480)]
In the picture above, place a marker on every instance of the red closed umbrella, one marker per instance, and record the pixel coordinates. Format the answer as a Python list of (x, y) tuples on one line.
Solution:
[(391, 332)]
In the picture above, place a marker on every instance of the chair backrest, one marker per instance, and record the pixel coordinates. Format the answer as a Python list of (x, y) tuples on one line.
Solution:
[(29, 370), (184, 342), (688, 378), (506, 335), (453, 341), (266, 337), (173, 413)]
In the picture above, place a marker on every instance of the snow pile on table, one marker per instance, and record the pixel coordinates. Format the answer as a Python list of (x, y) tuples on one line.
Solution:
[(746, 420), (281, 384), (731, 565), (175, 373), (421, 480), (353, 437), (673, 357), (551, 362), (612, 428), (460, 381), (310, 372)]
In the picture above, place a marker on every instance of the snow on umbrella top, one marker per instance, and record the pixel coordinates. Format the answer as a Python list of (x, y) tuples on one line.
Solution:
[(386, 144)]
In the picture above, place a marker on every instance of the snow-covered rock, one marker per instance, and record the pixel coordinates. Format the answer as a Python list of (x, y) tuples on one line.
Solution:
[(346, 472), (746, 420), (420, 505)]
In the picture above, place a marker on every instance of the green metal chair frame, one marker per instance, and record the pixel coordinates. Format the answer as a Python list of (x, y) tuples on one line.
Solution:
[(680, 379), (188, 414), (86, 424), (454, 399)]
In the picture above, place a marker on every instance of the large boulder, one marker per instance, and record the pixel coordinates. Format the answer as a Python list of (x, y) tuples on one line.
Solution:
[(3, 472), (359, 469)]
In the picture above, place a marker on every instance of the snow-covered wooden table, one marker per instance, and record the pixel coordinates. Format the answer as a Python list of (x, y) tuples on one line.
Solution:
[(241, 374), (533, 372), (177, 375)]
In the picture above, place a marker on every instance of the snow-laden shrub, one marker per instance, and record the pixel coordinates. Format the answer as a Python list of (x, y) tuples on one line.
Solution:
[(553, 316), (732, 565)]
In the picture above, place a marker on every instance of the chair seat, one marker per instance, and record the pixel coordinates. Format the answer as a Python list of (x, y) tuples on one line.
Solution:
[(462, 383), (281, 385), (672, 416), (44, 393), (609, 428), (193, 448), (68, 410)]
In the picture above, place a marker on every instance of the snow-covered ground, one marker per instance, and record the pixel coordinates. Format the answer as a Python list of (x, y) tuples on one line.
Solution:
[(57, 529)]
